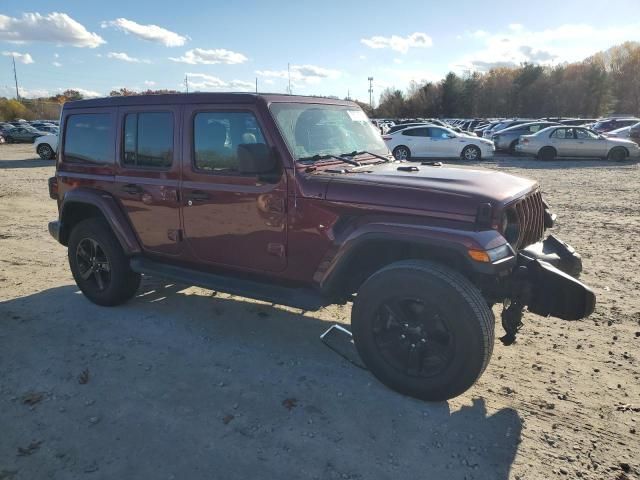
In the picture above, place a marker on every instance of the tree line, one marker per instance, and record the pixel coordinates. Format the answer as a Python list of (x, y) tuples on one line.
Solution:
[(605, 83)]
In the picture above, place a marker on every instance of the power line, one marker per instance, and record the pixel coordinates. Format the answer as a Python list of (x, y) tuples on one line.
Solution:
[(15, 77)]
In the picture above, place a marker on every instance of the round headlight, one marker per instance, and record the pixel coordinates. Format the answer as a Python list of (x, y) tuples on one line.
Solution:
[(510, 227)]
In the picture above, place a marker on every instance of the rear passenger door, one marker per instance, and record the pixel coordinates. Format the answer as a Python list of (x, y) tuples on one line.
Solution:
[(564, 141), (230, 218), (148, 173), (416, 139)]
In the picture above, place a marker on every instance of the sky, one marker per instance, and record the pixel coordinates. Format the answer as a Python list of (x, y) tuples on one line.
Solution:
[(331, 47)]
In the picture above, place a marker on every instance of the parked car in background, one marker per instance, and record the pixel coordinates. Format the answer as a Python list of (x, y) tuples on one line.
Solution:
[(504, 124), (402, 126), (22, 135), (553, 142), (2, 140), (634, 133), (618, 133), (608, 124), (46, 146), (427, 141), (507, 139), (50, 129), (577, 121)]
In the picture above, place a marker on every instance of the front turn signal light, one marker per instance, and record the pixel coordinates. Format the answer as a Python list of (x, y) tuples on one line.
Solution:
[(479, 255)]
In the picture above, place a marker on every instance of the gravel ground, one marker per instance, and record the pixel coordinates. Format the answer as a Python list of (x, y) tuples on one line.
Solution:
[(184, 383)]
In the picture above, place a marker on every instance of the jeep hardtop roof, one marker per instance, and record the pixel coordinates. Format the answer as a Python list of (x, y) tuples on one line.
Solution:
[(204, 98)]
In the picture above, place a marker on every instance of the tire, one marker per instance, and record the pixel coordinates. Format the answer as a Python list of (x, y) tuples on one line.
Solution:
[(546, 154), (402, 153), (105, 287), (471, 153), (45, 151), (618, 154), (445, 336), (512, 147)]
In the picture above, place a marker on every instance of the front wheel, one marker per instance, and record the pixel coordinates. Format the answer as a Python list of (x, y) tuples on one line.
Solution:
[(98, 264), (618, 154), (547, 154), (423, 329), (471, 153), (45, 151), (402, 153)]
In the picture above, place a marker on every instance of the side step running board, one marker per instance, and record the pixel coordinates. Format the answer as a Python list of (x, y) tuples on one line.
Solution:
[(303, 298)]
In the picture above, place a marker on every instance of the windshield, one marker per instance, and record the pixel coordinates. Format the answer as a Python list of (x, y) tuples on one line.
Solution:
[(315, 129)]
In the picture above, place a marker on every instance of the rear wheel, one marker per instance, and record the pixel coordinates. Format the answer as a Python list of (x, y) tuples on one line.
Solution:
[(423, 329), (618, 154), (98, 264), (547, 154), (471, 153), (512, 147), (402, 153), (45, 151)]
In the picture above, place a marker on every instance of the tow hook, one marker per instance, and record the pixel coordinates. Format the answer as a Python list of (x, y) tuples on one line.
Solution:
[(513, 307)]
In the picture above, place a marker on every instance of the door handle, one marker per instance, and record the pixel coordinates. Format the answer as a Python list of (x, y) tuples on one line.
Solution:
[(198, 195), (132, 189)]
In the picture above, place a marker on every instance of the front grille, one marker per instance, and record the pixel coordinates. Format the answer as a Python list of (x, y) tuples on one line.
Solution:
[(530, 213)]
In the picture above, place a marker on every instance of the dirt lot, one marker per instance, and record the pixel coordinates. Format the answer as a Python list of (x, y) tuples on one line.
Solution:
[(182, 383)]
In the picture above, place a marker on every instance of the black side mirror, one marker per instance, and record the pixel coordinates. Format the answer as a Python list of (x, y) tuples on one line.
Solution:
[(255, 158)]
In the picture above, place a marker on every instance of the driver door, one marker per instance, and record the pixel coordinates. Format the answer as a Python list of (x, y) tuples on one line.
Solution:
[(440, 144), (589, 144)]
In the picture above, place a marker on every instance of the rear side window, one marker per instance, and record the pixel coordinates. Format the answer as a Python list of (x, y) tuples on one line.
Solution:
[(415, 132), (217, 135), (148, 140), (88, 139)]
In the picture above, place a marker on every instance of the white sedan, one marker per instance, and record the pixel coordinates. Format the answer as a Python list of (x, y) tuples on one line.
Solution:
[(430, 141), (46, 146)]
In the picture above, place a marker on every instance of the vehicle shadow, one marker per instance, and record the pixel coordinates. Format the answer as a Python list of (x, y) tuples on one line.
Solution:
[(28, 163), (186, 383)]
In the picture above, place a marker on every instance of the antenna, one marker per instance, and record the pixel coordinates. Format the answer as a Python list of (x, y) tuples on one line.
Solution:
[(15, 77), (370, 91), (186, 82)]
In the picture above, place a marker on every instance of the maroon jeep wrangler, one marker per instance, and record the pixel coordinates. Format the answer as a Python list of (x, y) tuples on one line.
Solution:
[(297, 201)]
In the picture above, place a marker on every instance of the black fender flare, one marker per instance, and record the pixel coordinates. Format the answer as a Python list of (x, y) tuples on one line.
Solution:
[(110, 210)]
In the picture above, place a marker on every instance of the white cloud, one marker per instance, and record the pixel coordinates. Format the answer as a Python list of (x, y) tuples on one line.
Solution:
[(149, 83), (56, 64), (125, 57), (58, 28), (56, 55), (201, 81), (565, 43), (399, 44), (210, 57), (20, 57), (153, 33), (302, 73), (84, 92)]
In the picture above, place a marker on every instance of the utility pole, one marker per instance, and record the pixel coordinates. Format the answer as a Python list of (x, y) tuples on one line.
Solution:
[(186, 83), (348, 94), (15, 77), (256, 84), (289, 75), (370, 91)]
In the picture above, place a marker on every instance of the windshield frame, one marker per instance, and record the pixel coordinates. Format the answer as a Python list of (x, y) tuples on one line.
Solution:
[(338, 105)]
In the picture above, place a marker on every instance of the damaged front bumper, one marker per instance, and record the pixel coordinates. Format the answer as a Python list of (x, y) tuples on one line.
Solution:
[(544, 280)]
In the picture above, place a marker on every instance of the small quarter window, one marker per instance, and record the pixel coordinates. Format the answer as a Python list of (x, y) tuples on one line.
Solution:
[(148, 140), (88, 139)]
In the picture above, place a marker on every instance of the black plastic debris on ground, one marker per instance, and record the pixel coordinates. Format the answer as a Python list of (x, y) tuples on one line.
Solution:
[(340, 340)]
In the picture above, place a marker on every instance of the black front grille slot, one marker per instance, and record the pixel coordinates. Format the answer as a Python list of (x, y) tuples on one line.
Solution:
[(530, 214)]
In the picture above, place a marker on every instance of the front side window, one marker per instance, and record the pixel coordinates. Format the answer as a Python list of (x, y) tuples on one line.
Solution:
[(217, 136), (316, 129), (88, 139), (148, 140), (534, 128), (585, 134)]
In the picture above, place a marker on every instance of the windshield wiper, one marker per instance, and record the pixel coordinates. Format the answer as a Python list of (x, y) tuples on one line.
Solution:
[(355, 153), (316, 158)]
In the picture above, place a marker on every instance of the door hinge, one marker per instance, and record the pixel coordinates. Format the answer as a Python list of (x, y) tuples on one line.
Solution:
[(276, 249), (175, 235)]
